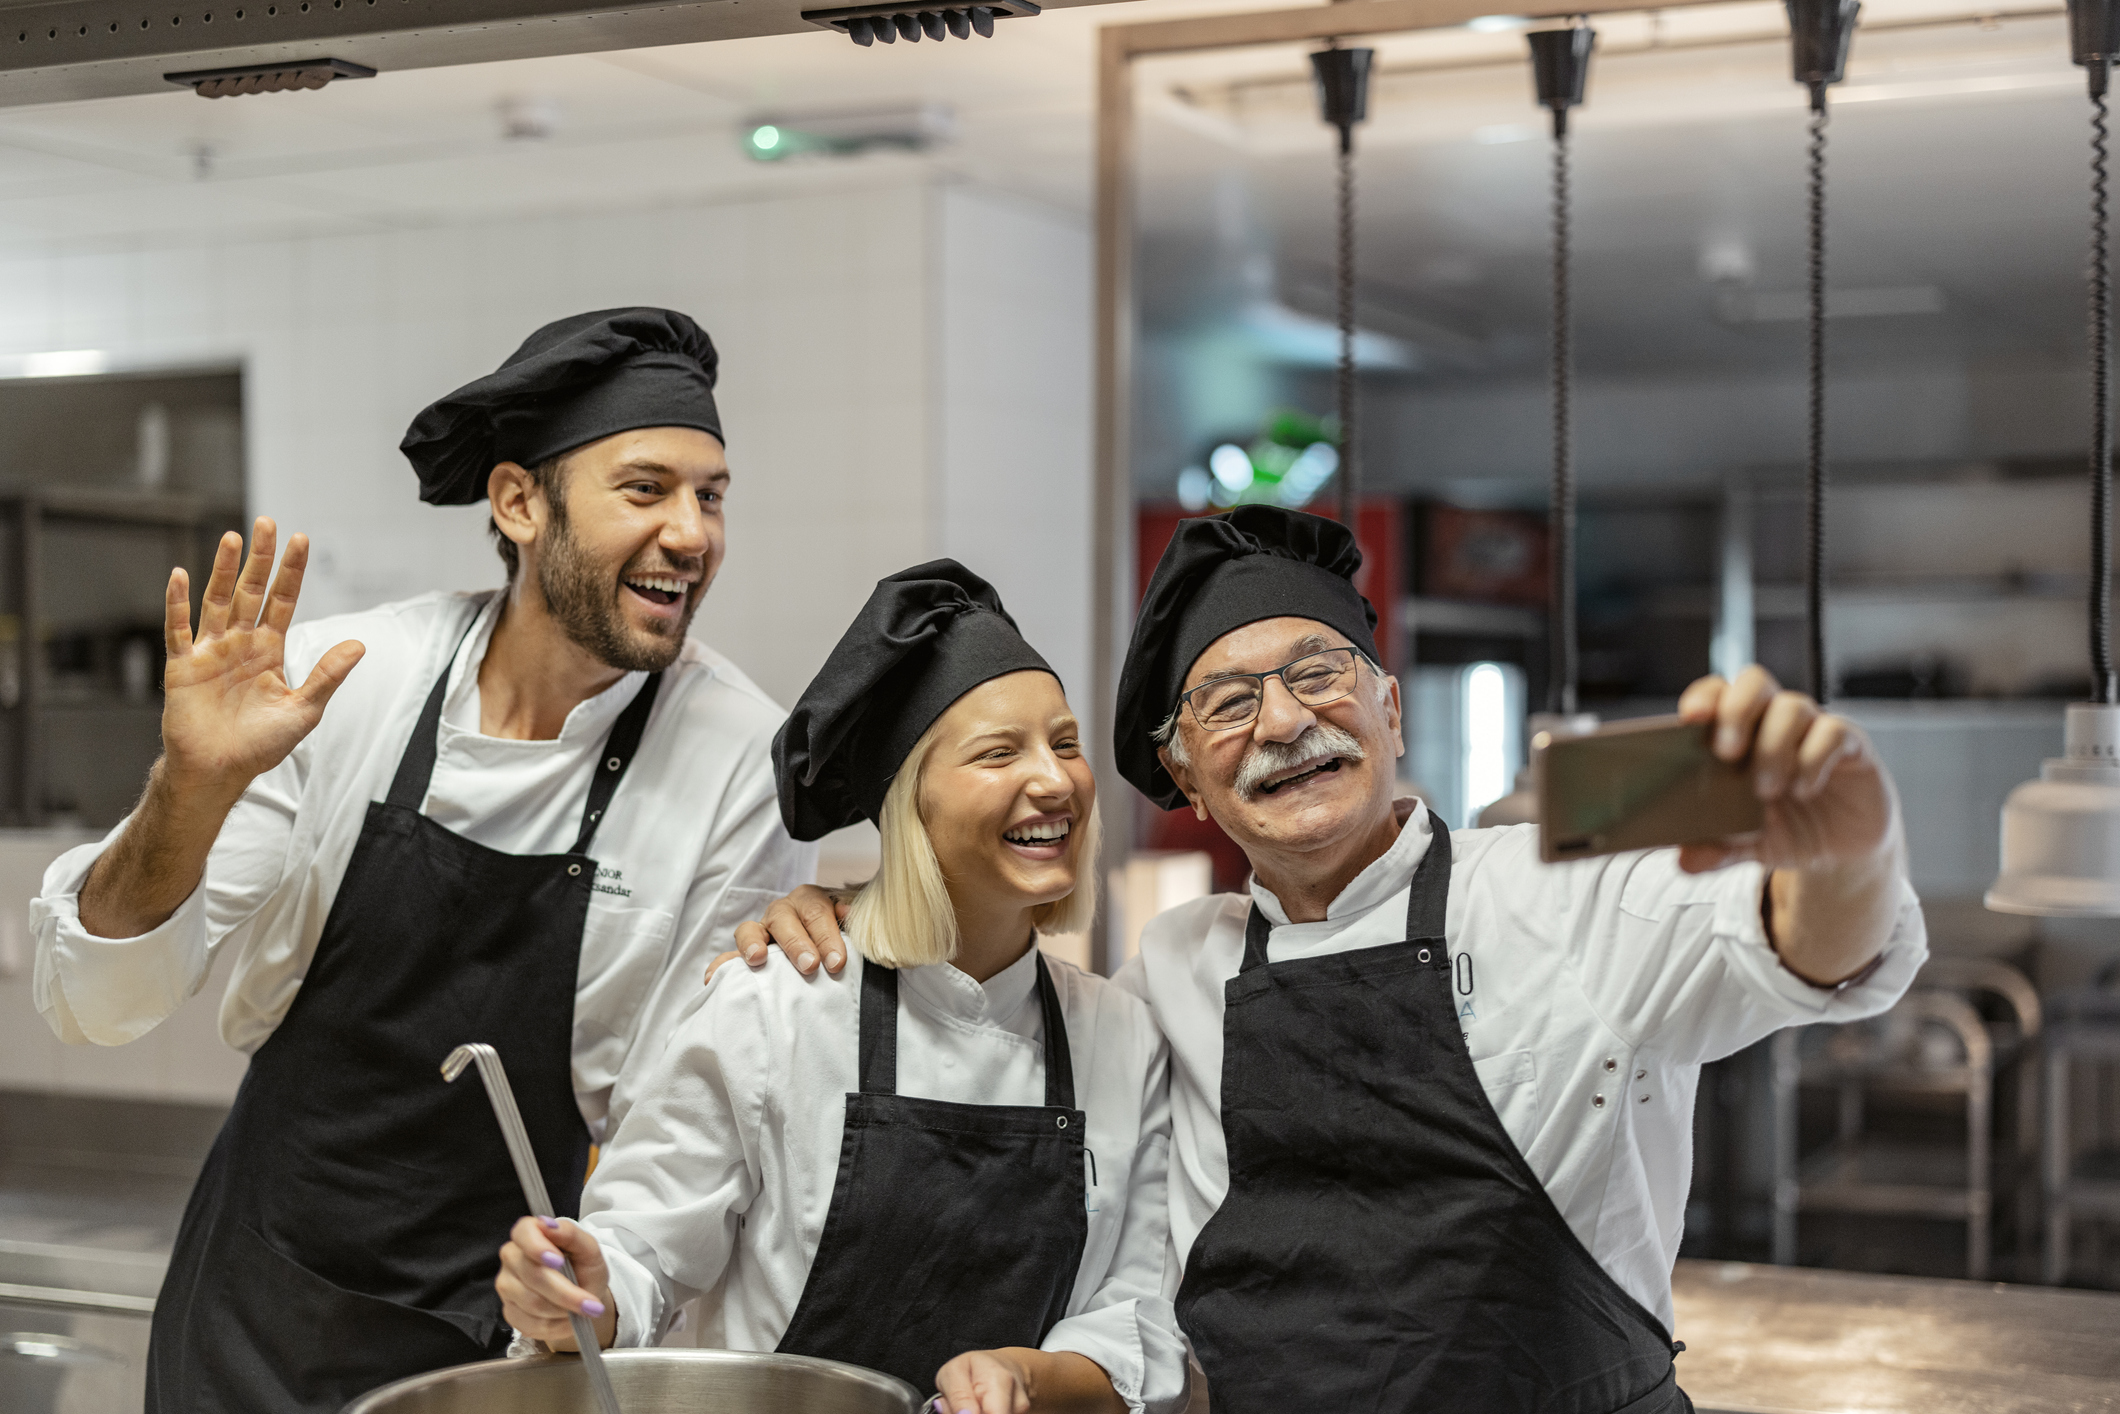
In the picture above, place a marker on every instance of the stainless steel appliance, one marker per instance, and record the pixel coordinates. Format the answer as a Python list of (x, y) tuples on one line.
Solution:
[(649, 1382)]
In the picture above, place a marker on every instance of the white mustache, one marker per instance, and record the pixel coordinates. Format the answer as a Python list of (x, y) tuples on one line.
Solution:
[(1270, 758)]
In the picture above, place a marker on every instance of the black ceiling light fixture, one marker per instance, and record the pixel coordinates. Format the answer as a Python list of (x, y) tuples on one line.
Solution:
[(1819, 34), (1343, 101), (1560, 68), (2061, 833)]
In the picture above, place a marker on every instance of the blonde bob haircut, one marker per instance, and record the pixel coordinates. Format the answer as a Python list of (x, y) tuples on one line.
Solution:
[(904, 917)]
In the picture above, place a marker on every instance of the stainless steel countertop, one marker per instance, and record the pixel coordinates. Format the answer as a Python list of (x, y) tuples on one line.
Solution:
[(1795, 1340), (75, 1238)]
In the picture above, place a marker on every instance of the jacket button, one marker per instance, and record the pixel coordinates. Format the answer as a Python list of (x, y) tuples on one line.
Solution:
[(1611, 1064), (1597, 1102), (1644, 1099), (1641, 1075)]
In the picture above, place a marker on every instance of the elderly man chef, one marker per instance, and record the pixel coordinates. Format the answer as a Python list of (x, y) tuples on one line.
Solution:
[(1432, 1099), (526, 818)]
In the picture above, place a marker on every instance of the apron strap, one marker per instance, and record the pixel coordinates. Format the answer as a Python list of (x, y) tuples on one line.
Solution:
[(408, 788), (879, 1029), (879, 1035), (1059, 1052), (1427, 900), (618, 752)]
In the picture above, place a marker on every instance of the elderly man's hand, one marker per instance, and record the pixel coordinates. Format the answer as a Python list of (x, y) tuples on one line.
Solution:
[(1832, 835), (1828, 801)]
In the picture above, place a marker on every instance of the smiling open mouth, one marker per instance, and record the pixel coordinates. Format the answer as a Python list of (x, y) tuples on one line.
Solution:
[(1034, 836), (656, 588), (1329, 764)]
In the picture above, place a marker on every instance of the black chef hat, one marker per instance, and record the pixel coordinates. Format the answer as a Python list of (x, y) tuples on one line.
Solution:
[(927, 636), (572, 382), (1221, 573)]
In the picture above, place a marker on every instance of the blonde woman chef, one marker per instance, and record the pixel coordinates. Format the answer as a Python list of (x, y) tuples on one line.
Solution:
[(948, 1162)]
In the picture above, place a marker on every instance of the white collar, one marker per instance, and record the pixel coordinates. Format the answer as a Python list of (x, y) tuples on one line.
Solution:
[(592, 716), (945, 991), (1386, 875)]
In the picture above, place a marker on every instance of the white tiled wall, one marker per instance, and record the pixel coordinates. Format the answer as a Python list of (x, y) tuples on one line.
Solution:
[(905, 374)]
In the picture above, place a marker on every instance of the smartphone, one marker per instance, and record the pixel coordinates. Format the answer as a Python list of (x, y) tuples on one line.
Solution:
[(1636, 785)]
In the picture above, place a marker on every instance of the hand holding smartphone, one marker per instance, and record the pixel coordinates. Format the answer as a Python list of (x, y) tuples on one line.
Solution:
[(1637, 785)]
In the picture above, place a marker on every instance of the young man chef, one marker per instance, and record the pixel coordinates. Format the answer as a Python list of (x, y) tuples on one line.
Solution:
[(1432, 1099), (527, 818)]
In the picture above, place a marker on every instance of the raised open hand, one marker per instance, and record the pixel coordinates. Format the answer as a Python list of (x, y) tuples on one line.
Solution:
[(228, 711)]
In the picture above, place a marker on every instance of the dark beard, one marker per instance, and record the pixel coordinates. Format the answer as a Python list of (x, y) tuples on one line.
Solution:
[(583, 601)]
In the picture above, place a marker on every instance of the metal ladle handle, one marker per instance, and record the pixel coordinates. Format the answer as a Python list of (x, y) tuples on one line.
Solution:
[(502, 1097)]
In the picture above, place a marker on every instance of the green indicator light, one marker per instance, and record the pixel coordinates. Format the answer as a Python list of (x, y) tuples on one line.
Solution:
[(766, 138)]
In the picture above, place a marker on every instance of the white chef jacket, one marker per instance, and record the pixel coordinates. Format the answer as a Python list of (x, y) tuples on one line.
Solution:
[(690, 846), (1589, 993), (719, 1179)]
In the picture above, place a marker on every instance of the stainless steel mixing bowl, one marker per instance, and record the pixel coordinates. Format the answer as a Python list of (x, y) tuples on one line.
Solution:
[(649, 1382)]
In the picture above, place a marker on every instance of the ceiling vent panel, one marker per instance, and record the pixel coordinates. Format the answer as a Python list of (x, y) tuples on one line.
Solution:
[(55, 50)]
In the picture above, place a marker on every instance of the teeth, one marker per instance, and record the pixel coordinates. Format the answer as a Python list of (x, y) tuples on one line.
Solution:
[(1039, 834), (668, 584)]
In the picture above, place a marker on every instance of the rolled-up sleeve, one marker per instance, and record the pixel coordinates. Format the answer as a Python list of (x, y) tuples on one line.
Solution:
[(108, 991), (1129, 1326)]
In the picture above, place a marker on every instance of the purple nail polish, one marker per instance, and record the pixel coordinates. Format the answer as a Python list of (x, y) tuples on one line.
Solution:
[(551, 1224), (552, 1260), (592, 1307)]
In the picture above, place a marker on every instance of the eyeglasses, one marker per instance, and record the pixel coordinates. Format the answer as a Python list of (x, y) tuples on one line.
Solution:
[(1234, 701)]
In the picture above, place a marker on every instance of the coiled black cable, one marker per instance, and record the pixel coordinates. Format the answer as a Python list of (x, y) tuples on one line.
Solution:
[(1815, 449), (1350, 454), (2101, 450), (1561, 693)]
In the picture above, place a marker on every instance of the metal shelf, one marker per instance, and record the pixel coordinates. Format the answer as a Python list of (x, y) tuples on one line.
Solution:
[(1418, 614)]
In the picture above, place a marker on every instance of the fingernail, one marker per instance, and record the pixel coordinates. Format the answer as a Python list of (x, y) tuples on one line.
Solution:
[(807, 962), (592, 1307), (552, 1260), (551, 1224), (833, 960), (1726, 741), (1768, 782)]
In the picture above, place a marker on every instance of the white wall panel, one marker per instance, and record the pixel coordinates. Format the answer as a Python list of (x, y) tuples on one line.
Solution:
[(1015, 417), (905, 373)]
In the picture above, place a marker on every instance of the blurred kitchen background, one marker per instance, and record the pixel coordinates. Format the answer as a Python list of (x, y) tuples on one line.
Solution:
[(210, 310)]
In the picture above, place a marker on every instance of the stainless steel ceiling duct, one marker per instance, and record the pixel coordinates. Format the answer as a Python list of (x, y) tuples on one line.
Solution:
[(54, 50)]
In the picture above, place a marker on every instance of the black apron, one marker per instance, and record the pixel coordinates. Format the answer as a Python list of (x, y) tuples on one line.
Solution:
[(952, 1227), (1383, 1246), (345, 1230)]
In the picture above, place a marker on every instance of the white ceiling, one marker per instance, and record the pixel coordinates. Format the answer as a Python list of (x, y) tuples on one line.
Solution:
[(1957, 168), (650, 125), (1957, 187)]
